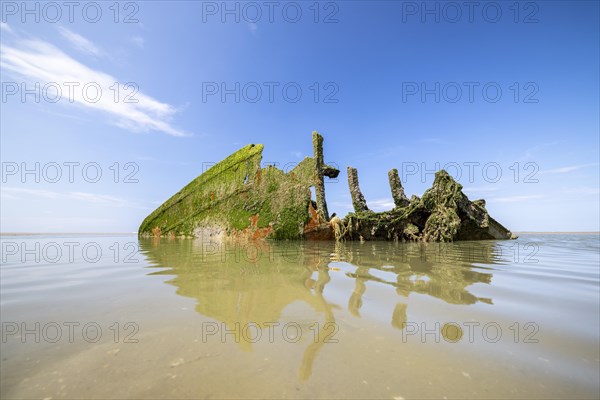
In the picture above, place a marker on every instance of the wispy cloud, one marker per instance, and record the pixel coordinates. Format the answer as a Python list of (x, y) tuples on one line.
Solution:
[(37, 61), (145, 158), (567, 169), (514, 199), (380, 204), (375, 205), (386, 152), (480, 189), (433, 141), (534, 152), (80, 43), (138, 41), (112, 201), (5, 27), (583, 190)]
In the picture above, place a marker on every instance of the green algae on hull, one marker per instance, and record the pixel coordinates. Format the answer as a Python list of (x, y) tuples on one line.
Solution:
[(238, 199), (443, 214)]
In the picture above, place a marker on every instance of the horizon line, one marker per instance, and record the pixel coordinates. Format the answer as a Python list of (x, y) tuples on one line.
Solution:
[(135, 233)]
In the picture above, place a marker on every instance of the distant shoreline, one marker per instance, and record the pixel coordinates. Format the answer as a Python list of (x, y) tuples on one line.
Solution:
[(66, 233), (135, 233), (556, 233)]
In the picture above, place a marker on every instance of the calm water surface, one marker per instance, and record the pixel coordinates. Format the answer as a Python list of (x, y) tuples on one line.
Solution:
[(118, 317)]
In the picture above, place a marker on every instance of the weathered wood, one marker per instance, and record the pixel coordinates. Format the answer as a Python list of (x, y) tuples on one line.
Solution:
[(358, 200), (443, 214), (238, 199), (400, 199), (317, 141)]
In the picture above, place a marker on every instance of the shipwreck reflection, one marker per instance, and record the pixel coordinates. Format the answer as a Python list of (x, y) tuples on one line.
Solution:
[(441, 270), (253, 283)]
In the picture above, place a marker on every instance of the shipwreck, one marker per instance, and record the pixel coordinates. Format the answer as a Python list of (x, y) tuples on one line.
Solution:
[(237, 199)]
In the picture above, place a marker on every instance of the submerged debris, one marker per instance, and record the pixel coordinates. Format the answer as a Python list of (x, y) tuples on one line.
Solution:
[(238, 199)]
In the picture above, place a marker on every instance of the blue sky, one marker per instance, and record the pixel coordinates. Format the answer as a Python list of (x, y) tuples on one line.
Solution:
[(387, 85)]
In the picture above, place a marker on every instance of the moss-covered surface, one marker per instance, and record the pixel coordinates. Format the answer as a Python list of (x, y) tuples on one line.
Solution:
[(238, 198), (400, 199), (208, 197), (443, 214)]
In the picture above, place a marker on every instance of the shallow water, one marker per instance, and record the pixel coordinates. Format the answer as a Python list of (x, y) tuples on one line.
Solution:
[(122, 318)]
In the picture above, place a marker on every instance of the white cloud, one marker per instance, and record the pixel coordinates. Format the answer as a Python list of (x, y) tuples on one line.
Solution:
[(480, 189), (20, 193), (514, 199), (571, 168), (380, 204), (4, 26), (433, 141), (138, 41), (475, 191), (37, 61), (388, 151), (375, 205), (582, 190), (13, 192), (80, 43)]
